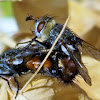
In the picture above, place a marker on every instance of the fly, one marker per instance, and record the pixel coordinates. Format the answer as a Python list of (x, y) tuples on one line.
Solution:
[(12, 62), (67, 48)]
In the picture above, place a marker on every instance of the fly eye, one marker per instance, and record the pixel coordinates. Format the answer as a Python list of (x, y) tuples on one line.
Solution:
[(40, 26)]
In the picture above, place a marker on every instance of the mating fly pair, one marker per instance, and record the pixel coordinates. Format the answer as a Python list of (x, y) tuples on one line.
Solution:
[(67, 50)]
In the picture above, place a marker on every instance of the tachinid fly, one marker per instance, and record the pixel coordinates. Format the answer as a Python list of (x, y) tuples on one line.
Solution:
[(66, 49), (12, 62)]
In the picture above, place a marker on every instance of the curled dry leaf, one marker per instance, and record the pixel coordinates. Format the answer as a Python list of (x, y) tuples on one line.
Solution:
[(94, 71), (39, 94), (44, 88), (82, 19), (38, 8), (3, 91), (7, 41), (85, 22)]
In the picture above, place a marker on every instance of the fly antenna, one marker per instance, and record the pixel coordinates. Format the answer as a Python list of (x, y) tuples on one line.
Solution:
[(30, 17)]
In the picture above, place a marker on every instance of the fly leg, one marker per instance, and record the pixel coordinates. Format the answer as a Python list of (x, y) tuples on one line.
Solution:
[(56, 67), (17, 84), (53, 71), (30, 43), (43, 44), (22, 43), (6, 81), (27, 42)]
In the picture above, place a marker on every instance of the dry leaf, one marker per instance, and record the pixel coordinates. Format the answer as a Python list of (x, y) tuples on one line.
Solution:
[(94, 72), (38, 8), (82, 19), (3, 90)]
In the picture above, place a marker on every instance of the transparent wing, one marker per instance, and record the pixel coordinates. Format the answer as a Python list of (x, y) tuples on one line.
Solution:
[(90, 50), (79, 64)]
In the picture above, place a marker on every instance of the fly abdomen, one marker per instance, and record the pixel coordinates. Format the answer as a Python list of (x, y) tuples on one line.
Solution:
[(68, 69), (34, 62)]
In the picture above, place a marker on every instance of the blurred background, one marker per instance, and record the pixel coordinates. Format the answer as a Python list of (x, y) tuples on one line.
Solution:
[(84, 21)]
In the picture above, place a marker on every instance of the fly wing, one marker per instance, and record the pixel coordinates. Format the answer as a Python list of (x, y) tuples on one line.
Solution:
[(90, 50), (79, 64)]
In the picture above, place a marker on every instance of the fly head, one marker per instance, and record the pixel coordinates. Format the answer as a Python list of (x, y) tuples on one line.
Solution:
[(43, 27)]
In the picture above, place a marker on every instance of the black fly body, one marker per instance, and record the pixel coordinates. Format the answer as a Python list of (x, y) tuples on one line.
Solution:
[(67, 48), (13, 61)]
